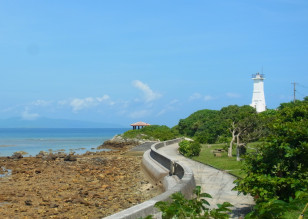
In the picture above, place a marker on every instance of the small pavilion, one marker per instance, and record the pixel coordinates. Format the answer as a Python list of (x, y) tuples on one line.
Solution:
[(139, 124)]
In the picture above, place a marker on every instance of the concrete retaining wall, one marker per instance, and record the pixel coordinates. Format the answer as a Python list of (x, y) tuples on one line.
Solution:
[(175, 177)]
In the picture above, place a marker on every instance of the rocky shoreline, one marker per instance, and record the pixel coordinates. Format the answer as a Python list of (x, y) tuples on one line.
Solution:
[(93, 185), (119, 142)]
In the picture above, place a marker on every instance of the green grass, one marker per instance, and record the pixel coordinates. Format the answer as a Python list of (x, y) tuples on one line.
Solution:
[(251, 146), (254, 144), (224, 162), (296, 212)]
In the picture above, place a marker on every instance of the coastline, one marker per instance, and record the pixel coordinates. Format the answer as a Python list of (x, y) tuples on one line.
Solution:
[(32, 141), (94, 186), (5, 146)]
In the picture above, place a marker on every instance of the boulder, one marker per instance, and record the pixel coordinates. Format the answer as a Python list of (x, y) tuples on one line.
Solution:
[(42, 154), (16, 155), (119, 142), (70, 157), (61, 155), (50, 157), (28, 202)]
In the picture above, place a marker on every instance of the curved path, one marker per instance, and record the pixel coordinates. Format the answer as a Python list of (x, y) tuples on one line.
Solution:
[(217, 183)]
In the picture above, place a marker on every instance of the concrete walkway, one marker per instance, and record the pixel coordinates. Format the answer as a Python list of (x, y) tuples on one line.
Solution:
[(217, 183)]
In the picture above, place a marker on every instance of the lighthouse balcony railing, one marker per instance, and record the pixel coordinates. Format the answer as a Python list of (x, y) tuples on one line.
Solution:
[(255, 75)]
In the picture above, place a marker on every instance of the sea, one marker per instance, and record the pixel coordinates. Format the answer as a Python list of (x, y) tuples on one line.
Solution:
[(34, 140)]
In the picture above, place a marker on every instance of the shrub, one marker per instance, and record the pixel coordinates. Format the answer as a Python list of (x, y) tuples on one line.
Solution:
[(189, 148), (180, 207), (196, 148)]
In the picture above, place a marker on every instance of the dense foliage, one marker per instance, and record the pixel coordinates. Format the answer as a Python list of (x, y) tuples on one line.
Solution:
[(189, 148), (278, 171), (180, 207), (213, 126), (204, 125), (152, 132)]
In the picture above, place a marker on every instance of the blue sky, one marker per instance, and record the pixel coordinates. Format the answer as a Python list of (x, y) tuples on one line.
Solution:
[(153, 61)]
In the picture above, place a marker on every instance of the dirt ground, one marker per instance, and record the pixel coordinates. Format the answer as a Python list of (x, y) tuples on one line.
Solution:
[(94, 186)]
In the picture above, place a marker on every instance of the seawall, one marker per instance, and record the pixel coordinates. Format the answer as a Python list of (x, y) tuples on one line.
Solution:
[(174, 176)]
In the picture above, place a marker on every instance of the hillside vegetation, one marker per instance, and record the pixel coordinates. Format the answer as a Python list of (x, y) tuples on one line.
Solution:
[(152, 132), (215, 126)]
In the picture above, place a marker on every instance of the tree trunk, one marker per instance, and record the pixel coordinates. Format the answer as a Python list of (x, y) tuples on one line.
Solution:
[(231, 143), (237, 147), (233, 130)]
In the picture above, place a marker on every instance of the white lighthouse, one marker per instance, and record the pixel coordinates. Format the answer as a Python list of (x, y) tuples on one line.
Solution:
[(258, 99)]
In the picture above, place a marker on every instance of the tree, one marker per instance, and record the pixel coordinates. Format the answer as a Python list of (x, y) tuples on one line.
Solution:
[(242, 120), (204, 125), (279, 168), (239, 123)]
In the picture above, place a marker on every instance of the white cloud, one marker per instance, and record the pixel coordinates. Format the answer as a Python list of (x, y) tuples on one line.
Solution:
[(41, 103), (198, 96), (103, 98), (233, 95), (163, 111), (137, 100), (169, 107), (62, 102), (208, 97), (26, 115), (139, 114), (173, 102), (195, 96), (111, 103), (124, 104), (8, 109), (149, 94), (79, 104)]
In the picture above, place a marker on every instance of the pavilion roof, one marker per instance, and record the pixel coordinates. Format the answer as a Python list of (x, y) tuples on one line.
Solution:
[(140, 124)]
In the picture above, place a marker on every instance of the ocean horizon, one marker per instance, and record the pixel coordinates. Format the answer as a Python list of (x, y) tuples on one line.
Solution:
[(34, 140)]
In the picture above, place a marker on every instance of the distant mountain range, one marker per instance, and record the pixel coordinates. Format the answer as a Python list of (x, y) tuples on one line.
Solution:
[(53, 123)]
